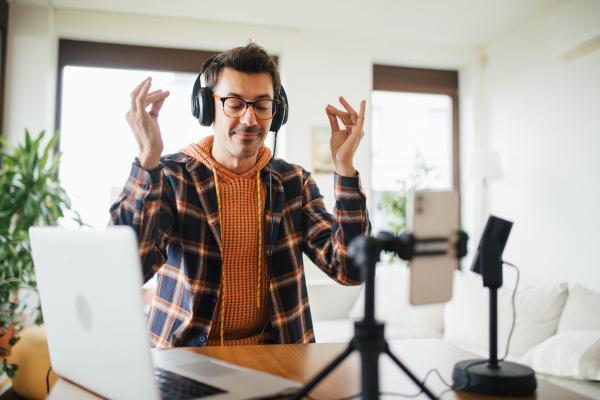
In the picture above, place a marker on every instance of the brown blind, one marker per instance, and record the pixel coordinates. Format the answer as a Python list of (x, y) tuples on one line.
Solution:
[(419, 80), (109, 55)]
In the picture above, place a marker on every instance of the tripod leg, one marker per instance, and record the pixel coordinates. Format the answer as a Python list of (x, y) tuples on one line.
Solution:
[(410, 375), (315, 381)]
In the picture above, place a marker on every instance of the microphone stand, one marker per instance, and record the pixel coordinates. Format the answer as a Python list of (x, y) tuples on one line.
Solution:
[(369, 334), (495, 377)]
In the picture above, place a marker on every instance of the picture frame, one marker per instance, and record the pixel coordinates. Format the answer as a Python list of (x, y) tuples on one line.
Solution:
[(322, 162)]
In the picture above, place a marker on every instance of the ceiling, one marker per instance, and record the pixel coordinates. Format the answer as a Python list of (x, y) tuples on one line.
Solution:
[(457, 22)]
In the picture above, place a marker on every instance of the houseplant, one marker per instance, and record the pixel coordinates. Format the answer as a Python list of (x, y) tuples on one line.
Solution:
[(394, 204), (30, 194)]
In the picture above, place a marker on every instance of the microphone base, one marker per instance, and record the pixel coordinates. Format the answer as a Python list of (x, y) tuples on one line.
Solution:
[(505, 379)]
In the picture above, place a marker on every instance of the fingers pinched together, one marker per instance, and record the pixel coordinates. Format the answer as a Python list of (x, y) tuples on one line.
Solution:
[(353, 121), (141, 99), (344, 142), (144, 124)]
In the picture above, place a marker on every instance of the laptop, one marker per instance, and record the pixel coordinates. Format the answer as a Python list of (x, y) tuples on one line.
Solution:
[(90, 283)]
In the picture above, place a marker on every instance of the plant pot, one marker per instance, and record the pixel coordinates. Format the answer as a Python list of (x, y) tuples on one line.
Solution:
[(32, 356)]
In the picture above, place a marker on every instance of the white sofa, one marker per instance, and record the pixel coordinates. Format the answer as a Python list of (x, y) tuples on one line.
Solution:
[(557, 331)]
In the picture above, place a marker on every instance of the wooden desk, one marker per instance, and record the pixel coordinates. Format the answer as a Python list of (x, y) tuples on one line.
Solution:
[(303, 362)]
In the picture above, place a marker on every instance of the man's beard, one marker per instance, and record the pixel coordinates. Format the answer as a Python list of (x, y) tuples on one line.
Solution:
[(247, 153)]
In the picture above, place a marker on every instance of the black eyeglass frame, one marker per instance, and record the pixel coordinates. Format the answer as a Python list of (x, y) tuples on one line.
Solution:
[(248, 103)]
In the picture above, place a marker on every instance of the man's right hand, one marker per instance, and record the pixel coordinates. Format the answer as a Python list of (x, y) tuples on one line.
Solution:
[(145, 126)]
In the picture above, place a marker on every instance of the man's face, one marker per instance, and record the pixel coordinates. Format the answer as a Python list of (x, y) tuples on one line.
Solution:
[(243, 136)]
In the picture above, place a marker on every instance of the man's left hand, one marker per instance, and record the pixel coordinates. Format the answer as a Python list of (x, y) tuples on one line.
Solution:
[(344, 142)]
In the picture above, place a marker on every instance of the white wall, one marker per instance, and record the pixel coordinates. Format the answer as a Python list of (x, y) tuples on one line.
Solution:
[(31, 60), (543, 116)]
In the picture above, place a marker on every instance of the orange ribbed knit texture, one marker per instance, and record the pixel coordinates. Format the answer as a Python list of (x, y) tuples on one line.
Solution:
[(243, 320)]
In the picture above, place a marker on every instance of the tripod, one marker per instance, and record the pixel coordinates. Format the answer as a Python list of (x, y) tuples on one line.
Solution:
[(369, 333)]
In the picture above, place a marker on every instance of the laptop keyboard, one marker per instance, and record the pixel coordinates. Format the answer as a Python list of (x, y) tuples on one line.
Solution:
[(176, 387)]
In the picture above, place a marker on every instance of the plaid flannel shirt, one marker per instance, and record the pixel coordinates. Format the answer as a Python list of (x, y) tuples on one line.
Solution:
[(175, 215)]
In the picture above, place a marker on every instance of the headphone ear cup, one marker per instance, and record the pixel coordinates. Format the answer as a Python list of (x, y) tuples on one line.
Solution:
[(281, 115), (286, 106), (206, 107), (276, 124), (195, 106)]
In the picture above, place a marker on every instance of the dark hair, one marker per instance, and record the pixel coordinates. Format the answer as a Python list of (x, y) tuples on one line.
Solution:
[(249, 59)]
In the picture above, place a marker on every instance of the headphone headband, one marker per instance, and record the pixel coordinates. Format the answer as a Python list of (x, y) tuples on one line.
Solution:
[(206, 64), (203, 104)]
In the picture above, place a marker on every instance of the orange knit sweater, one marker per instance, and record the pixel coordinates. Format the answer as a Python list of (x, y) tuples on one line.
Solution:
[(239, 196)]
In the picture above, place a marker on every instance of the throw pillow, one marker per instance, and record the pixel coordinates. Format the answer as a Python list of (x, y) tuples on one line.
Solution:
[(581, 311), (466, 316), (571, 354)]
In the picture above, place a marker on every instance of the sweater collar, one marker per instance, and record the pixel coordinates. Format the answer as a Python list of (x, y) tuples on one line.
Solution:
[(201, 151)]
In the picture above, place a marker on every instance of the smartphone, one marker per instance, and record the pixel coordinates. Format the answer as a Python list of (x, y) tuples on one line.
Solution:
[(434, 215)]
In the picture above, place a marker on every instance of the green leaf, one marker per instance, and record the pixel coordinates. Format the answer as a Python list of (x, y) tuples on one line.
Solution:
[(6, 144), (49, 149), (27, 142), (11, 369)]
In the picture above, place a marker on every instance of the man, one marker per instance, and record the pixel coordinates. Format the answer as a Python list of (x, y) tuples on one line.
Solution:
[(203, 215)]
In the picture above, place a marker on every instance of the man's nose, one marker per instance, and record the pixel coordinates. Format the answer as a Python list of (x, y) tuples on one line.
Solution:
[(249, 118)]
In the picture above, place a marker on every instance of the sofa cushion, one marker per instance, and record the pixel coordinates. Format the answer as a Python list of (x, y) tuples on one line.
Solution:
[(392, 304), (466, 316), (582, 311), (571, 354), (333, 330)]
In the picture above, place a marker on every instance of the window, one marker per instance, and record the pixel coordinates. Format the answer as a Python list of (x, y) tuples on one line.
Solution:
[(94, 85), (98, 145), (414, 121)]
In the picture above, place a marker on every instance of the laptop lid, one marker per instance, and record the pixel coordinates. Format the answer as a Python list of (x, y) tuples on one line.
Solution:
[(89, 284), (90, 290)]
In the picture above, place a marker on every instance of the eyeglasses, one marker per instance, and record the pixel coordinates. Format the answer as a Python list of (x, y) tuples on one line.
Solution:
[(234, 107)]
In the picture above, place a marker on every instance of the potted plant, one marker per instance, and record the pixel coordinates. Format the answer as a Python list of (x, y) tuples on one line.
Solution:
[(30, 194)]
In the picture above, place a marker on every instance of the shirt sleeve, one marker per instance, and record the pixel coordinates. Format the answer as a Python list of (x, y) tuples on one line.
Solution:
[(145, 204), (327, 236)]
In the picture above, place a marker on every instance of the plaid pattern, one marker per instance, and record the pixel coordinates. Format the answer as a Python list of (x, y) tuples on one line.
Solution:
[(175, 215)]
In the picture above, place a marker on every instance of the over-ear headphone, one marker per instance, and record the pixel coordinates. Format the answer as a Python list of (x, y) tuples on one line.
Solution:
[(203, 103)]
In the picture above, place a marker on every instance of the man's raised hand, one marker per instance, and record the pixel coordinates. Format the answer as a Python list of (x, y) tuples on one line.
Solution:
[(344, 142), (144, 124)]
